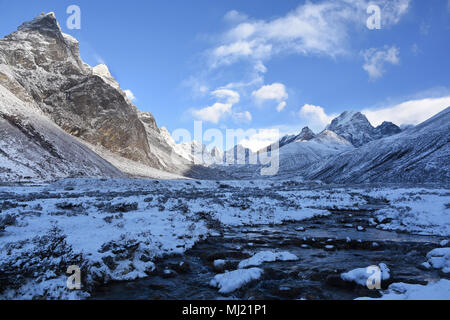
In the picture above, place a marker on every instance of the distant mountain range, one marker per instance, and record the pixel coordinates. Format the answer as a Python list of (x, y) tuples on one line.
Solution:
[(60, 117)]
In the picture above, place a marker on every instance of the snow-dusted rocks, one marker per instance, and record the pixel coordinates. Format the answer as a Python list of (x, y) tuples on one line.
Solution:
[(234, 280), (361, 276), (439, 259), (414, 210), (267, 256)]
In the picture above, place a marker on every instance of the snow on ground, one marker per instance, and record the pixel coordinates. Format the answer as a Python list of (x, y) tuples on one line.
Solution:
[(403, 291), (267, 256), (439, 259), (416, 210), (232, 281), (114, 229), (361, 275)]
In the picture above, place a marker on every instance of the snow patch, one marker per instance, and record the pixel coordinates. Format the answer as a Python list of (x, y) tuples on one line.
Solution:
[(234, 280)]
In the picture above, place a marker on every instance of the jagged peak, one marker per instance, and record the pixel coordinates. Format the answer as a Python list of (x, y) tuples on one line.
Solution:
[(43, 21), (348, 117), (306, 134), (103, 72)]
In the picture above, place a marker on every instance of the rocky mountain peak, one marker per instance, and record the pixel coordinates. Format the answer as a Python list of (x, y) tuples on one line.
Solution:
[(306, 134), (349, 118), (387, 129), (103, 72), (43, 22), (354, 127)]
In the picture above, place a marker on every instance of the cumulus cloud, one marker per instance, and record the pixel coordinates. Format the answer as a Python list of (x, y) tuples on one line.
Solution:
[(275, 92), (315, 116), (312, 28), (130, 95), (409, 112), (263, 138), (376, 59), (218, 110)]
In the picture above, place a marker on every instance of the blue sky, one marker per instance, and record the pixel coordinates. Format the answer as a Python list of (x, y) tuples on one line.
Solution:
[(232, 63)]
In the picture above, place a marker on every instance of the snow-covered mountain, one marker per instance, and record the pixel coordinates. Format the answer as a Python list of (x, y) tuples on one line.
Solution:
[(355, 127), (199, 153), (60, 117), (301, 154), (305, 135), (41, 66), (240, 155), (419, 154)]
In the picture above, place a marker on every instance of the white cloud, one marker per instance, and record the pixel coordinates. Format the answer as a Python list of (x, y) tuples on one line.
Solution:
[(376, 59), (199, 88), (234, 16), (312, 28), (316, 116), (213, 113), (130, 95), (218, 110), (276, 91), (230, 96), (281, 106), (261, 68), (262, 139), (409, 112)]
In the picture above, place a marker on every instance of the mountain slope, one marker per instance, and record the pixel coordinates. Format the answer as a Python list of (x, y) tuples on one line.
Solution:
[(302, 154), (33, 148), (417, 155)]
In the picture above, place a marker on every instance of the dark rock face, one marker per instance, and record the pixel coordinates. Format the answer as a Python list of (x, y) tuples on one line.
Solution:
[(387, 129), (99, 114)]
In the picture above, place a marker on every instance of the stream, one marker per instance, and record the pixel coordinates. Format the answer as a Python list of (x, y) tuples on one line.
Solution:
[(326, 247)]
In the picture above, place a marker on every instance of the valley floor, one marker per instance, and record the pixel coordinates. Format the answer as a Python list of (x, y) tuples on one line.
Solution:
[(142, 239)]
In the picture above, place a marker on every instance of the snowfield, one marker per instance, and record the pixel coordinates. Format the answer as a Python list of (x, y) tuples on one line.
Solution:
[(115, 229)]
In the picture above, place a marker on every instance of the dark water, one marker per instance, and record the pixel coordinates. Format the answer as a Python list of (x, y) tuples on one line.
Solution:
[(314, 276)]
